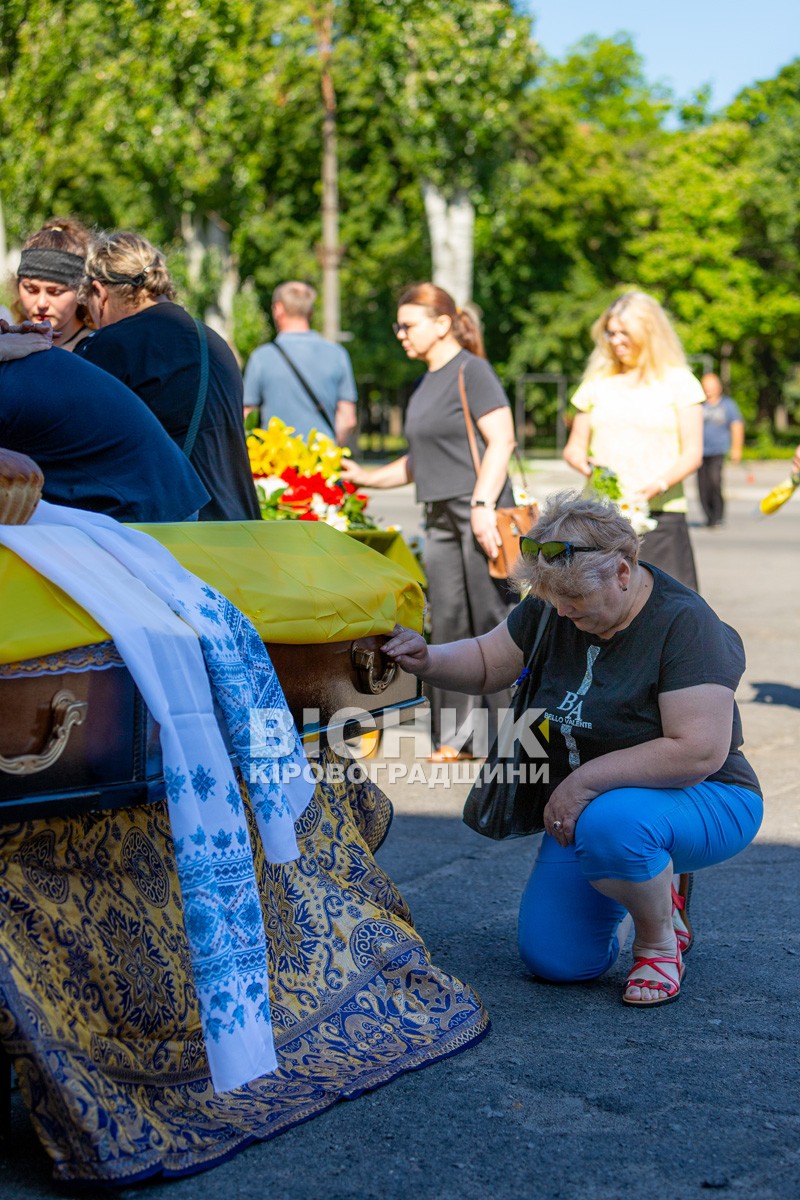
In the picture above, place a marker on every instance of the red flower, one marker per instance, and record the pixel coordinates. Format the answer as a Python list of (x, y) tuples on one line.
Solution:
[(298, 493), (308, 516)]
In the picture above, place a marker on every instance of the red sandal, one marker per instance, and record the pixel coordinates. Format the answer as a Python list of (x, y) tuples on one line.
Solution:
[(671, 988), (680, 904)]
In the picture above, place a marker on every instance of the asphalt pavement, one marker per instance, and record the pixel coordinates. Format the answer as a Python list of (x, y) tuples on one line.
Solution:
[(572, 1095)]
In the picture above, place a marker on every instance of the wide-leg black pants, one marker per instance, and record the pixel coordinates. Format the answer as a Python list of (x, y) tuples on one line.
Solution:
[(464, 602)]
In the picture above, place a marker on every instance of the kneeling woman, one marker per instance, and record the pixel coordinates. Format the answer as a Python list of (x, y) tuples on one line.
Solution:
[(637, 676)]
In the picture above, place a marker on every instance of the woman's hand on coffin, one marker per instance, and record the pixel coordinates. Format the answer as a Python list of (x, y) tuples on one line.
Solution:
[(408, 649)]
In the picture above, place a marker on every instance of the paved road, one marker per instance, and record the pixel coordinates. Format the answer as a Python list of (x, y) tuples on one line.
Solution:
[(572, 1095)]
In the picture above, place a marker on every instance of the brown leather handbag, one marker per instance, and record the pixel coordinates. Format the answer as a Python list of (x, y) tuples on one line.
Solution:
[(512, 522)]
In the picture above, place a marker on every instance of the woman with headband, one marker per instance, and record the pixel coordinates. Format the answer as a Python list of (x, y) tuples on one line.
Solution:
[(183, 371), (48, 278)]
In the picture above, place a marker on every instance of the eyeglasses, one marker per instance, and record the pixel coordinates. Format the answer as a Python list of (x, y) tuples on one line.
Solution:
[(404, 327), (550, 551)]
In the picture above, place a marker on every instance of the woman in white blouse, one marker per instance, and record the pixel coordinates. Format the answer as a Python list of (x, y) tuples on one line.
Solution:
[(640, 414)]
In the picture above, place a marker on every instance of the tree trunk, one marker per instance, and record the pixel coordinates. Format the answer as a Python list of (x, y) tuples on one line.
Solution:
[(331, 301), (211, 235), (451, 224), (193, 240), (219, 314), (4, 266), (9, 261), (770, 392), (329, 252)]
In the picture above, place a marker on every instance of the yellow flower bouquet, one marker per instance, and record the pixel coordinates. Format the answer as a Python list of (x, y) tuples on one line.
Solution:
[(299, 479)]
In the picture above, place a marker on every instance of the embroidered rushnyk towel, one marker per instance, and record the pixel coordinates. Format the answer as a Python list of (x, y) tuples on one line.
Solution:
[(180, 638)]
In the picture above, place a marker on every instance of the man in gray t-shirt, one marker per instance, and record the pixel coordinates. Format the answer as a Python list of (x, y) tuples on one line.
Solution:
[(280, 376)]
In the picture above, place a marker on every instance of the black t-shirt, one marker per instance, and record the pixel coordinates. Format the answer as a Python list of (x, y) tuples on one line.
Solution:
[(602, 695), (441, 462), (99, 447), (156, 352)]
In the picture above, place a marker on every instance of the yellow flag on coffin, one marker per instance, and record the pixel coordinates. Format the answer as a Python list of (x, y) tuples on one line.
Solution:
[(780, 494), (297, 581)]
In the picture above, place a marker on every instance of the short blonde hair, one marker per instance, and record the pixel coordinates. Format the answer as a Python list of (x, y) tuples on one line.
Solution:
[(130, 265), (296, 297), (650, 331), (568, 516)]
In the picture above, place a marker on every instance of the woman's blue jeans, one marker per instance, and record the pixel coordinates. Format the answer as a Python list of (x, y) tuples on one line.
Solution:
[(567, 929)]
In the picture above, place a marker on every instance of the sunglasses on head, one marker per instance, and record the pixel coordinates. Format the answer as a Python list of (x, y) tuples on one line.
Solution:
[(550, 551)]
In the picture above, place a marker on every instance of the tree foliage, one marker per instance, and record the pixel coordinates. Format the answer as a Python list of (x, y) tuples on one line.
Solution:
[(165, 115)]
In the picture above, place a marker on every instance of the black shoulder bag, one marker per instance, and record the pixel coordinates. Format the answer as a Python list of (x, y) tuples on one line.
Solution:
[(508, 797), (307, 386)]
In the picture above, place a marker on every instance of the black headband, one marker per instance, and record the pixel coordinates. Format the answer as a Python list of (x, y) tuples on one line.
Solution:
[(59, 266), (134, 280)]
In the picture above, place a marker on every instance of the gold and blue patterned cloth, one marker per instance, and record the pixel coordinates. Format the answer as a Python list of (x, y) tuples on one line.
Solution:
[(99, 1012)]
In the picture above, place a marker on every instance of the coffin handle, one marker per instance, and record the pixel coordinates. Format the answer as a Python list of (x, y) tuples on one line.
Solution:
[(365, 662), (66, 712)]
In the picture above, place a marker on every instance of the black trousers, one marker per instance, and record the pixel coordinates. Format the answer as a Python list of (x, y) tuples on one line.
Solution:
[(709, 483), (464, 602)]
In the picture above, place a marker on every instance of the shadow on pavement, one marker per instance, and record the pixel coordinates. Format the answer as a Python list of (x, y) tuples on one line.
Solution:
[(775, 693)]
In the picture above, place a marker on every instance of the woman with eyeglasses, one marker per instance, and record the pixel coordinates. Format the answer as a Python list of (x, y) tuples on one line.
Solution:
[(49, 276), (460, 523), (640, 414), (183, 371), (647, 783)]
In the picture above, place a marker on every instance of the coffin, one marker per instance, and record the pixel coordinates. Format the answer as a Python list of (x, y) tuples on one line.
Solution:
[(75, 734)]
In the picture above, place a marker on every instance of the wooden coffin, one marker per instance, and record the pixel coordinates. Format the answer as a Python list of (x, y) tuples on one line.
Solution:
[(76, 736)]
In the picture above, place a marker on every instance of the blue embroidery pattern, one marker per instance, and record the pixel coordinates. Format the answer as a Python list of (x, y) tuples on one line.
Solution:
[(203, 782)]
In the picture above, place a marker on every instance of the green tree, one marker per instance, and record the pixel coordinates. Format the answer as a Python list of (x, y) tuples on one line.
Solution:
[(554, 239), (450, 77), (771, 235), (717, 239)]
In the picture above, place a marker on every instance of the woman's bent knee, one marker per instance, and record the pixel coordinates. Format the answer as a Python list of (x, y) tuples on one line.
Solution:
[(567, 930), (567, 962)]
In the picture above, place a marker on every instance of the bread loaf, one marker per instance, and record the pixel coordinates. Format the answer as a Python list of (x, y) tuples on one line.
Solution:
[(20, 487)]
